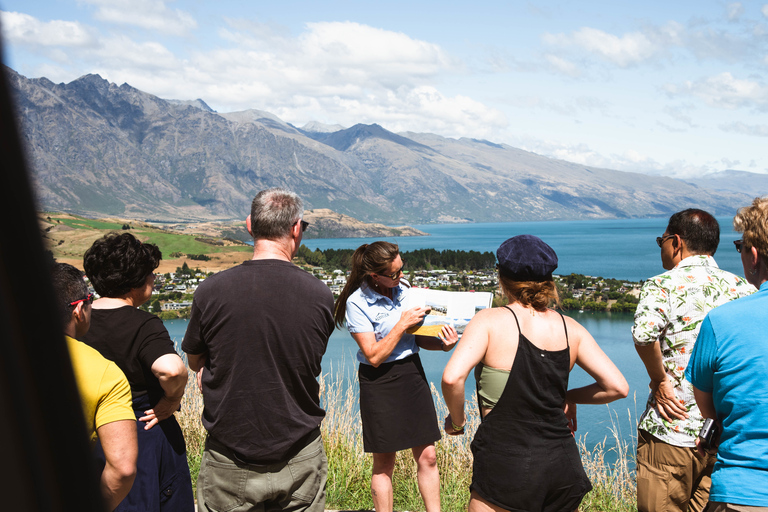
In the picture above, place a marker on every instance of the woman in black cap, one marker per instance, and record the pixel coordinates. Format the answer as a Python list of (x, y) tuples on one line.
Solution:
[(525, 456)]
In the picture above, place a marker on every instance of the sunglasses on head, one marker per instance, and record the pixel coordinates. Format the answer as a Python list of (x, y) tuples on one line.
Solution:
[(87, 300)]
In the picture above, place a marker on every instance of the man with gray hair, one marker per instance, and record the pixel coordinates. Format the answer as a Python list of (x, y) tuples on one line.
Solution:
[(259, 331)]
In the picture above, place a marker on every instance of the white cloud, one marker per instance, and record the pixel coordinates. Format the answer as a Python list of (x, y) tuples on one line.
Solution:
[(328, 58), (122, 52), (629, 160), (569, 107), (352, 43), (756, 130), (148, 14), (725, 91), (739, 42), (735, 10), (23, 29), (764, 10), (343, 72), (346, 72), (563, 66), (627, 50), (680, 115)]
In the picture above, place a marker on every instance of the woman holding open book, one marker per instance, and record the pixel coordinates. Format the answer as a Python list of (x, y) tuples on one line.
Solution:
[(525, 456), (395, 401)]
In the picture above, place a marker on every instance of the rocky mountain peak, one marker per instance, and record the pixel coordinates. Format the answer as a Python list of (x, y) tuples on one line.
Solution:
[(343, 140), (97, 148)]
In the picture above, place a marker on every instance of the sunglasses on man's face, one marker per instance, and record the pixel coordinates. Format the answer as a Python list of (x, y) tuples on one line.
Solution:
[(304, 225), (738, 244), (87, 300), (661, 239)]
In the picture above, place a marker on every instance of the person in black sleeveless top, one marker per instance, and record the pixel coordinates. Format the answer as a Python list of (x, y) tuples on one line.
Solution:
[(121, 269), (525, 455)]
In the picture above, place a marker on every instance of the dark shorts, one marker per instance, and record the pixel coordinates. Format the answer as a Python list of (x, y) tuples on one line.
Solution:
[(547, 477), (162, 479), (396, 406)]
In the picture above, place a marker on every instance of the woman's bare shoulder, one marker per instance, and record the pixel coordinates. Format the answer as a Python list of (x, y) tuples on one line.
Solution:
[(487, 317), (490, 313)]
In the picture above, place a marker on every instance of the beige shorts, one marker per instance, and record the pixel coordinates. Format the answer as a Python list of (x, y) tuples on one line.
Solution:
[(671, 478)]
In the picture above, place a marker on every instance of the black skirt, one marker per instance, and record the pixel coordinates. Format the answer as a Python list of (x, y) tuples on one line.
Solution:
[(396, 406)]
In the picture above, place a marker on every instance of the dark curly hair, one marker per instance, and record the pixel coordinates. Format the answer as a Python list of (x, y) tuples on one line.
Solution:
[(119, 262)]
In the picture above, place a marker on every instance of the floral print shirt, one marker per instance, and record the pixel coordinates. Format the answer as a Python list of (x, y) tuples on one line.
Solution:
[(671, 309)]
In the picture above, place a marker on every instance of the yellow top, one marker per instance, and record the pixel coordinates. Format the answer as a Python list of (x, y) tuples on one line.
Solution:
[(104, 391)]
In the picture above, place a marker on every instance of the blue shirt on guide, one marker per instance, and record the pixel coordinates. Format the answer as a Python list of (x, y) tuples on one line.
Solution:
[(730, 360), (369, 311)]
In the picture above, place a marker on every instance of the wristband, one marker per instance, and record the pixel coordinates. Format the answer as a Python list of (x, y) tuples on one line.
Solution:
[(456, 427)]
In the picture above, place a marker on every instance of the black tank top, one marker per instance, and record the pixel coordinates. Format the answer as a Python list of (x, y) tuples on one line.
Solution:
[(535, 391), (525, 458)]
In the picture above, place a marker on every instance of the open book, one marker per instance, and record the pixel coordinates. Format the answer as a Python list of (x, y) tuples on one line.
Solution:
[(448, 308)]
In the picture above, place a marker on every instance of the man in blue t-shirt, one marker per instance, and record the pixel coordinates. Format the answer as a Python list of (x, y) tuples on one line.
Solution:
[(728, 369)]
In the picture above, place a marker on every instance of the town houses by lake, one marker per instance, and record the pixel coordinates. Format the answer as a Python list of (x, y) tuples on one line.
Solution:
[(173, 292)]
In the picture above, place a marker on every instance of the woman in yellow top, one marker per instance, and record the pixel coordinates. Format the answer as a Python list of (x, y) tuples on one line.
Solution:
[(525, 457)]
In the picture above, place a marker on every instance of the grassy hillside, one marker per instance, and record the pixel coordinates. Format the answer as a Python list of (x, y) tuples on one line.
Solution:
[(69, 236)]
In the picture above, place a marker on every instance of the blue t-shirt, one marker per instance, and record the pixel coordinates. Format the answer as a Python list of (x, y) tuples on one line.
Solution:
[(730, 361), (369, 311)]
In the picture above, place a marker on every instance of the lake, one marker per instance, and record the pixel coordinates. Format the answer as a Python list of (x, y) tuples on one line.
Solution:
[(622, 249), (617, 248)]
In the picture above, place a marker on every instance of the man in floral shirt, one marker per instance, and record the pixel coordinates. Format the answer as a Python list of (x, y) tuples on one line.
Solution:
[(670, 476)]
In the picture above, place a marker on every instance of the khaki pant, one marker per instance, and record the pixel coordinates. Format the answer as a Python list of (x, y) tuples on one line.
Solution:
[(226, 484), (671, 478)]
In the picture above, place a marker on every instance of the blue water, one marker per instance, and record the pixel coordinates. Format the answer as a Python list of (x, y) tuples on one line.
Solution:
[(622, 249), (617, 248)]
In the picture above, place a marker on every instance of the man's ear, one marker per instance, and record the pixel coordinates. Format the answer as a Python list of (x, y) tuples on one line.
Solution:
[(678, 243), (296, 229), (248, 224), (78, 313), (754, 258), (79, 310)]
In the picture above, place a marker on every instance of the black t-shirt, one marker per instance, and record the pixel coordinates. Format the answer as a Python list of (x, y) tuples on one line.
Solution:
[(265, 326), (134, 340)]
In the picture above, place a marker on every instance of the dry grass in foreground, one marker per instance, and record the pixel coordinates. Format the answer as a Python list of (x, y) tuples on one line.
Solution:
[(349, 468)]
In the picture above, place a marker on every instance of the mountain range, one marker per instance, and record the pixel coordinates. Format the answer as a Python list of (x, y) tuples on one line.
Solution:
[(96, 148)]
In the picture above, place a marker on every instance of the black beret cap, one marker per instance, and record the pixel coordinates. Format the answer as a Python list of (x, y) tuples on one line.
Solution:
[(526, 258)]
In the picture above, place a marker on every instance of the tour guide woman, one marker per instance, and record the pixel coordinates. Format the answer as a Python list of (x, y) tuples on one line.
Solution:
[(525, 457), (395, 402), (121, 268)]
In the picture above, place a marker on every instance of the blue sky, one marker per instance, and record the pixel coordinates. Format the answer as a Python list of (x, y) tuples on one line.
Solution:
[(676, 88)]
